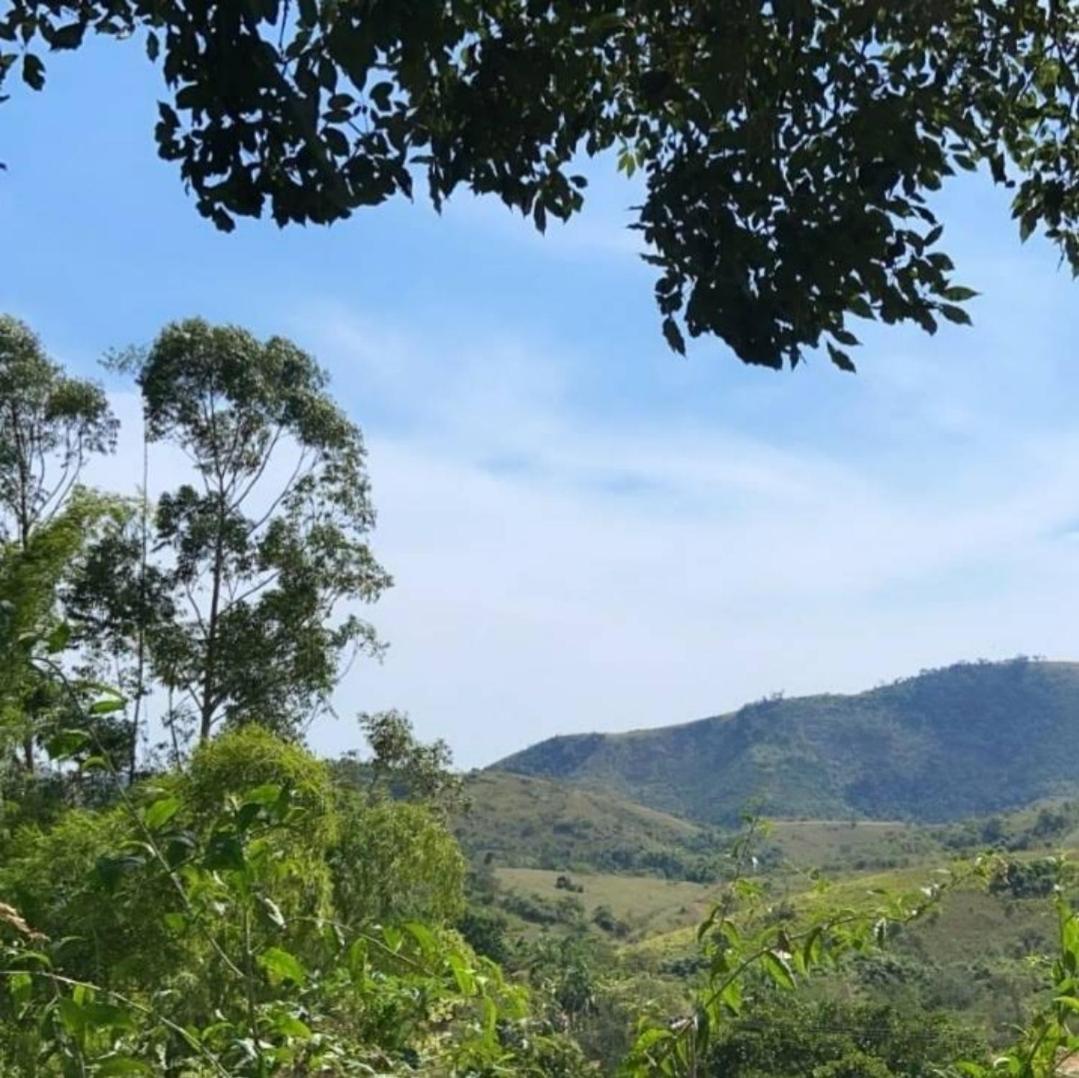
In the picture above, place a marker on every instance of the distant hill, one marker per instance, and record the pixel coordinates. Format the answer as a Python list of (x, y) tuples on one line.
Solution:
[(542, 824), (967, 740)]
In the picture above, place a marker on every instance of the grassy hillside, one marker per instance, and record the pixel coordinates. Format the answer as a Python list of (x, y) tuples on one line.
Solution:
[(968, 740), (538, 823), (641, 906)]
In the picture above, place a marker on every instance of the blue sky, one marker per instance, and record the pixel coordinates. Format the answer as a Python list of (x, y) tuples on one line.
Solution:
[(586, 531)]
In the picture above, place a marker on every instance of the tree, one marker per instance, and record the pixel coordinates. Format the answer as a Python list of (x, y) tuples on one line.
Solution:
[(260, 555), (50, 425), (787, 147), (403, 767), (33, 701)]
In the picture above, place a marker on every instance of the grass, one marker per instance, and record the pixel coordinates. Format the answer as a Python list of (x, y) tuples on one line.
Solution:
[(646, 904)]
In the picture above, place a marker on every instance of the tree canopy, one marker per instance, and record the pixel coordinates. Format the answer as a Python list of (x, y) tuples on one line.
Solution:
[(788, 148)]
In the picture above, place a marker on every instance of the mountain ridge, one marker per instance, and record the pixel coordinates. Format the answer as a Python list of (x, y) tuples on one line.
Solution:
[(964, 740)]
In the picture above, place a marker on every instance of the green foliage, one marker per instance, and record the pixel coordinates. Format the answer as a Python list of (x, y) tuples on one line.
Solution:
[(1030, 879), (395, 860), (788, 150), (889, 753), (400, 766), (790, 1038), (240, 608), (36, 703), (181, 939), (49, 426), (750, 953)]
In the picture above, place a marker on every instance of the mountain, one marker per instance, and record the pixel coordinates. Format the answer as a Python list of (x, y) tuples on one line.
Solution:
[(970, 739), (543, 824)]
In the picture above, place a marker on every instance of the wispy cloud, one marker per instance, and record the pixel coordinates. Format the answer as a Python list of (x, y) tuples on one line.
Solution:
[(557, 571)]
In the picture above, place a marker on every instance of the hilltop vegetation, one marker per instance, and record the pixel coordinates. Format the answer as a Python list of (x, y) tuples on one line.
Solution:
[(889, 753)]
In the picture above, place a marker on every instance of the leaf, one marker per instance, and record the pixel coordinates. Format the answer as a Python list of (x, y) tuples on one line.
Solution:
[(466, 980), (33, 72), (20, 987), (109, 870), (123, 1065), (955, 314), (66, 743), (673, 336), (107, 706), (282, 966), (160, 812), (175, 922), (67, 37), (35, 958), (71, 1016), (778, 968), (959, 294), (107, 1015), (58, 638), (423, 936), (731, 997), (266, 794), (841, 359), (288, 1025)]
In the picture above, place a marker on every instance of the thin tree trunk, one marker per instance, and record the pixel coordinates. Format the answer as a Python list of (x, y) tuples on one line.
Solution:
[(208, 676), (140, 661)]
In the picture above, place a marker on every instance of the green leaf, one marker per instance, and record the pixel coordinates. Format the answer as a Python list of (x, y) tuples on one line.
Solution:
[(423, 936), (160, 812), (288, 1025), (282, 966), (123, 1065), (266, 794), (20, 985), (175, 922), (107, 706), (58, 638), (66, 743), (71, 1016), (107, 1015), (778, 969)]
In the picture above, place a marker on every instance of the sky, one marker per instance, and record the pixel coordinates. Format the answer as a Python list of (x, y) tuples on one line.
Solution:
[(587, 532)]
